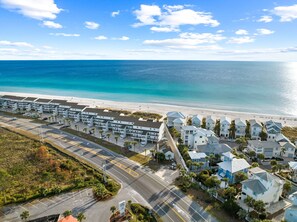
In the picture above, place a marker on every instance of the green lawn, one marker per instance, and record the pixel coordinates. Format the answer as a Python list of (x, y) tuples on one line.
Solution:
[(29, 169)]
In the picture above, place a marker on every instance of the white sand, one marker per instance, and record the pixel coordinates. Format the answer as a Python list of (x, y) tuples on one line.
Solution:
[(163, 109)]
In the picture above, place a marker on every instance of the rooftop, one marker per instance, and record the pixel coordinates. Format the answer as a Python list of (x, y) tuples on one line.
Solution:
[(12, 97), (30, 99), (148, 124), (263, 144), (254, 185), (175, 114), (196, 156), (43, 100), (234, 165)]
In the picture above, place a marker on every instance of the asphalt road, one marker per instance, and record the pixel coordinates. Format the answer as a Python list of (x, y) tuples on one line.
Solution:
[(165, 199)]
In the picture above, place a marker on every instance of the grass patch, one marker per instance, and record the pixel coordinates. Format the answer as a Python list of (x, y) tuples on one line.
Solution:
[(146, 115), (143, 160), (142, 213), (30, 169), (290, 132)]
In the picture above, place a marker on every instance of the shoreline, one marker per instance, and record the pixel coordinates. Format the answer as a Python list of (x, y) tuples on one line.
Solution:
[(164, 108)]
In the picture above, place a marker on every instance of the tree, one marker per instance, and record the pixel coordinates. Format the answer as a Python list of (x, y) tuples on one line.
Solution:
[(100, 133), (81, 217), (232, 130), (85, 130), (273, 162), (263, 135), (174, 133), (249, 201), (189, 122), (160, 156), (25, 215), (127, 143), (252, 154), (261, 156), (247, 129), (254, 164), (217, 127), (240, 176), (67, 213), (287, 187), (108, 135), (283, 151), (241, 143), (189, 164), (230, 193), (134, 143), (116, 138), (242, 214), (203, 125), (212, 181), (113, 209), (259, 206)]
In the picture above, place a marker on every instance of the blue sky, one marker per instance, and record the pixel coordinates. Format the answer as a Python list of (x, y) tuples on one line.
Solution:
[(122, 29)]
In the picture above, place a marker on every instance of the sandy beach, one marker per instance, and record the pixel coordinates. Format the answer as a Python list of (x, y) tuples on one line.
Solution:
[(164, 108)]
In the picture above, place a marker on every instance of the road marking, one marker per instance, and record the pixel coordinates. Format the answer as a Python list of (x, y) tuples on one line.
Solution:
[(165, 213), (177, 213)]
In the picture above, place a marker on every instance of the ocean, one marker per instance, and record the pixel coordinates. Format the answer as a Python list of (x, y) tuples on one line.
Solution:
[(260, 87)]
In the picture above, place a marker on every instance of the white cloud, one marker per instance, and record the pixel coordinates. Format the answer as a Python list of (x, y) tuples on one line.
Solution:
[(123, 38), (52, 25), (172, 16), (116, 13), (265, 19), (189, 41), (36, 9), (286, 13), (65, 34), (241, 40), (17, 44), (221, 31), (91, 25), (264, 32), (146, 14), (241, 32), (101, 37), (164, 29)]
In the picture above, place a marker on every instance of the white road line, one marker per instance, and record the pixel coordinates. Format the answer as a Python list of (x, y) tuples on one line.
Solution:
[(165, 213)]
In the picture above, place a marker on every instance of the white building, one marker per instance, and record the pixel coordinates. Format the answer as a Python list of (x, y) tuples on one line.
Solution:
[(225, 123), (268, 148), (178, 123), (210, 122), (293, 168), (169, 155), (193, 136), (255, 129), (171, 116), (196, 121), (273, 129), (262, 185), (288, 149), (240, 127)]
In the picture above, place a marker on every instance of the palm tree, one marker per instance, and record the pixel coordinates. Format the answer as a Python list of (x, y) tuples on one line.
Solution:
[(287, 187), (145, 151), (134, 143), (25, 215), (249, 201), (241, 214), (100, 133), (81, 217), (113, 209), (67, 213), (116, 138), (85, 130), (283, 151), (189, 164), (108, 136)]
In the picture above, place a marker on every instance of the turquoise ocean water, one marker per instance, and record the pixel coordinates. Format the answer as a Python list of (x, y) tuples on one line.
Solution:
[(262, 87)]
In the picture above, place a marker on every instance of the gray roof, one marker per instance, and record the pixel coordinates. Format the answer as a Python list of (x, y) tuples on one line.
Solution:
[(30, 99), (58, 101), (77, 106), (126, 118), (263, 144), (13, 97), (214, 148), (255, 185), (175, 114), (93, 110), (148, 124), (43, 100), (68, 104), (255, 123), (196, 155)]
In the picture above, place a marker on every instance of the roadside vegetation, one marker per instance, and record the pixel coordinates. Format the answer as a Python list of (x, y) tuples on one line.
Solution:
[(135, 212), (290, 132), (30, 169)]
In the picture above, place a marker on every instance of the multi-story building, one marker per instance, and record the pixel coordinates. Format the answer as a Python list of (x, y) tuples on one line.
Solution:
[(64, 108), (225, 126), (255, 129), (262, 185), (14, 103), (171, 116), (273, 129), (196, 121), (42, 105), (268, 148), (75, 112), (210, 122), (240, 127), (29, 103)]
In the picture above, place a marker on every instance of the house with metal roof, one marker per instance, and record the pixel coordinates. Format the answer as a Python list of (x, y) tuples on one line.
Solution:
[(262, 185), (196, 120), (198, 157), (210, 122), (255, 129), (240, 127), (171, 116), (273, 129), (225, 123), (268, 148), (230, 166)]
